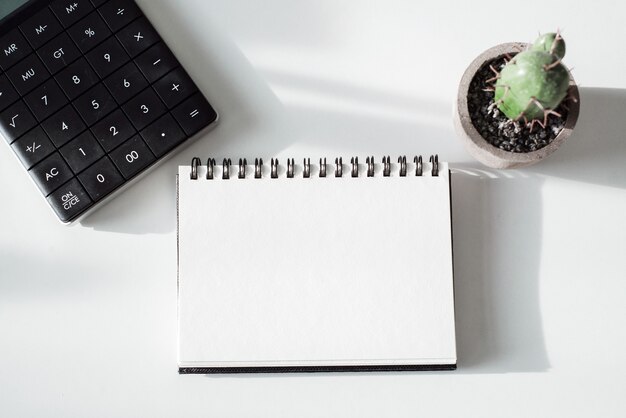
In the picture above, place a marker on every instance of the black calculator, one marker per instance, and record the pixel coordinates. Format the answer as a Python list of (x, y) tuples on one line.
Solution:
[(91, 97)]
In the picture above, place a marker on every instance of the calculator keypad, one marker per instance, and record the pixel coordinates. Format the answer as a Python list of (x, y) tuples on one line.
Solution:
[(90, 96)]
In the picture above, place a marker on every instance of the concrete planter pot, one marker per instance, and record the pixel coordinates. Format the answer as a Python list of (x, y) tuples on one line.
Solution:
[(482, 150)]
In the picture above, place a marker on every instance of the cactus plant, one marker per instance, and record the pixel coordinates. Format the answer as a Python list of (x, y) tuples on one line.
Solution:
[(534, 82)]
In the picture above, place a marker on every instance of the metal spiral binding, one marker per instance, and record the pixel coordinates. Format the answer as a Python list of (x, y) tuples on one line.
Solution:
[(402, 162), (418, 165), (386, 166), (195, 162), (242, 168), (370, 166), (338, 167), (210, 164), (290, 168), (258, 168), (434, 159), (306, 173), (226, 172), (355, 166)]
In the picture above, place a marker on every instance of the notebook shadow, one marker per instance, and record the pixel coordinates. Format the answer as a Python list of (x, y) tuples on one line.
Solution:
[(596, 151), (497, 223), (251, 121)]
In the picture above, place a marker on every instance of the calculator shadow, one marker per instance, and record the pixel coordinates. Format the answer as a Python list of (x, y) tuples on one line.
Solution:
[(497, 223), (252, 121)]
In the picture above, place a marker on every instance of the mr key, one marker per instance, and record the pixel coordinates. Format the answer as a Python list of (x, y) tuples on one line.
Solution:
[(91, 97)]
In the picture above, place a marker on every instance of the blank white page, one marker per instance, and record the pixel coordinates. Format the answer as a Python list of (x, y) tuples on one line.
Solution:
[(315, 272)]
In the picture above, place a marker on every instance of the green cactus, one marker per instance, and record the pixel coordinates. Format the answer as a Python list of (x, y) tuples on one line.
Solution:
[(534, 82)]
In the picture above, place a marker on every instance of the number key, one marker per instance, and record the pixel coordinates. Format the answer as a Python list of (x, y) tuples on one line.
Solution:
[(45, 100), (95, 104), (132, 157), (107, 57), (82, 152), (77, 79), (144, 109), (126, 83), (101, 179), (63, 126), (113, 130)]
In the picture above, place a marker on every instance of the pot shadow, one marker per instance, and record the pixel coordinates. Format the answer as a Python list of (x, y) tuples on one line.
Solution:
[(251, 122), (497, 245), (596, 151)]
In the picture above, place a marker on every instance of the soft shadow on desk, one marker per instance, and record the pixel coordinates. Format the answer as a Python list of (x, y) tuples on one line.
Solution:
[(251, 121), (497, 245), (596, 151)]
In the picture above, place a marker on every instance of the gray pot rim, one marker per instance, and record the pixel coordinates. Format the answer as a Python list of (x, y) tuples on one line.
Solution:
[(483, 150)]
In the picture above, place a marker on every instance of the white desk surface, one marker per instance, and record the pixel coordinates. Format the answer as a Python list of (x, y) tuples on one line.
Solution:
[(88, 313)]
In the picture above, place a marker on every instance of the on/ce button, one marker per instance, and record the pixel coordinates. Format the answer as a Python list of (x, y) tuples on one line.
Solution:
[(51, 173)]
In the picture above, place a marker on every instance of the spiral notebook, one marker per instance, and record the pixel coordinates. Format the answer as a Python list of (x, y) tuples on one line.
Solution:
[(304, 267)]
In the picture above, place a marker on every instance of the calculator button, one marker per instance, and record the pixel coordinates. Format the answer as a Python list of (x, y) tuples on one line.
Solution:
[(156, 62), (101, 179), (194, 114), (33, 147), (58, 53), (69, 200), (138, 36), (175, 87), (95, 104), (13, 47), (144, 109), (126, 83), (107, 57), (45, 100), (70, 11), (98, 3), (113, 130), (82, 152), (28, 74), (63, 126), (163, 135), (8, 94), (132, 157), (40, 28), (89, 32), (16, 121), (77, 79), (51, 173), (119, 13)]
